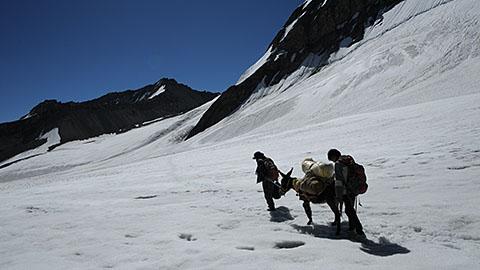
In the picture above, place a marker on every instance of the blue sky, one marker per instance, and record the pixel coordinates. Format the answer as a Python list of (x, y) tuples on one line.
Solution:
[(80, 50)]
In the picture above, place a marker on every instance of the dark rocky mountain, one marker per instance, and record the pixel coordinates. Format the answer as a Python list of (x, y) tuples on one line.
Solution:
[(114, 112), (318, 27)]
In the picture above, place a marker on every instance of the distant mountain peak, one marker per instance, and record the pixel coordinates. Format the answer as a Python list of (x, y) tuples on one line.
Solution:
[(164, 81), (109, 113)]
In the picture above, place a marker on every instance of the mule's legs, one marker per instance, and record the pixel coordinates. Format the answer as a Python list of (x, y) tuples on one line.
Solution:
[(334, 208), (308, 211)]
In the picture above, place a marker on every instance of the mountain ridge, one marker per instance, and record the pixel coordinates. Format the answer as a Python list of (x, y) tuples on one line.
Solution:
[(317, 27), (112, 112)]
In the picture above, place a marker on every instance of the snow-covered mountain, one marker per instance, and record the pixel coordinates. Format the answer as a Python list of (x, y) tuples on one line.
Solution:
[(403, 100), (114, 112), (313, 32)]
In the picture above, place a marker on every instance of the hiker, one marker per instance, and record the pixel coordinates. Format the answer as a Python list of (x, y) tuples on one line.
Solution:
[(342, 191), (267, 173)]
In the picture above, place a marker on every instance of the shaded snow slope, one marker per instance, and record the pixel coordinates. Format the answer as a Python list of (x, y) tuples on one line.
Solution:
[(404, 103), (52, 139), (155, 139)]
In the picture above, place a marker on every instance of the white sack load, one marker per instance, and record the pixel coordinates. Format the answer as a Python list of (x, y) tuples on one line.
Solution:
[(324, 170)]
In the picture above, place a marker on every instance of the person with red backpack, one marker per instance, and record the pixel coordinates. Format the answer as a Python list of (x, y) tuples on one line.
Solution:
[(267, 173), (350, 181)]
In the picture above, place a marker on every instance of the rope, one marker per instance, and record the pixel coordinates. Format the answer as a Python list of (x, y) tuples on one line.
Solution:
[(357, 202), (275, 183), (282, 193)]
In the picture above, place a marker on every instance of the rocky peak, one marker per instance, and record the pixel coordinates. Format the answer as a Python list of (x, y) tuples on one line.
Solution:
[(46, 107), (167, 81), (318, 27), (113, 112)]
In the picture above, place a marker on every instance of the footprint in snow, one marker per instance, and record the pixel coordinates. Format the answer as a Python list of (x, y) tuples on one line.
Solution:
[(451, 246), (417, 229), (388, 213), (33, 210), (405, 175), (249, 248), (210, 191), (229, 225), (401, 187), (457, 168), (187, 236), (146, 197), (288, 244), (378, 163)]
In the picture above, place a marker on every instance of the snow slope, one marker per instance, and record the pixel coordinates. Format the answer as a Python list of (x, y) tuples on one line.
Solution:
[(432, 55), (255, 66), (405, 103), (52, 137)]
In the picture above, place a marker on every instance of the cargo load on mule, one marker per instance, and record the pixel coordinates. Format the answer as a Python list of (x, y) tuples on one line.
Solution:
[(317, 177)]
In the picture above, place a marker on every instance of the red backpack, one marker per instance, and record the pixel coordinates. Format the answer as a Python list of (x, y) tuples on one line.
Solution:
[(357, 179)]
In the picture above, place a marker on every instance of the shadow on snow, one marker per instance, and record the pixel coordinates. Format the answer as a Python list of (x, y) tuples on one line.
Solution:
[(281, 214), (382, 248)]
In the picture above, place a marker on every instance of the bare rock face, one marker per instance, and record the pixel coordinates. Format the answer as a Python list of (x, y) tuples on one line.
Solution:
[(318, 27), (112, 113)]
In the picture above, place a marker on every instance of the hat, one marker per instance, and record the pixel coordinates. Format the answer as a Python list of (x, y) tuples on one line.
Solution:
[(258, 155)]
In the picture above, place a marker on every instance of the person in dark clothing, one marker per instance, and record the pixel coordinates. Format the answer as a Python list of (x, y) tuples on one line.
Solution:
[(267, 173), (342, 193)]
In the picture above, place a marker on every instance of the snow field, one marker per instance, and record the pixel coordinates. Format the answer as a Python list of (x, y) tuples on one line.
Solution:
[(209, 214), (405, 104)]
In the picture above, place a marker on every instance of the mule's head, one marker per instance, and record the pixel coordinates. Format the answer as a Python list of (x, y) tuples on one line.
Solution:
[(287, 180)]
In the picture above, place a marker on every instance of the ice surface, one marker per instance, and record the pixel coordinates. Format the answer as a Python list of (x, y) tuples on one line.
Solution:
[(404, 103)]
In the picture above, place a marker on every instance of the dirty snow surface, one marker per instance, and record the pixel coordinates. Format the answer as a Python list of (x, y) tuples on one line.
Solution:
[(405, 104)]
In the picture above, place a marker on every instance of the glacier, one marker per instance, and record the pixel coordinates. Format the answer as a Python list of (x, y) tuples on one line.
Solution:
[(404, 102)]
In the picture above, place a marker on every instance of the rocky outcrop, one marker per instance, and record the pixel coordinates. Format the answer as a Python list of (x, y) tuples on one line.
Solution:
[(318, 27), (112, 113)]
